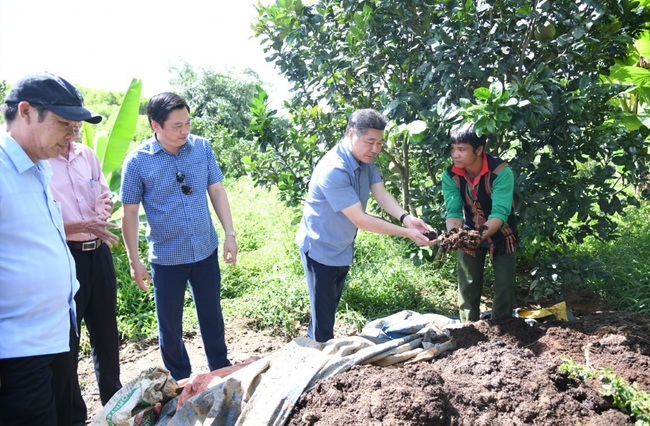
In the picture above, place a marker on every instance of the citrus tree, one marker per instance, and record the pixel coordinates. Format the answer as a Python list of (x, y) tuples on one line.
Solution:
[(529, 74)]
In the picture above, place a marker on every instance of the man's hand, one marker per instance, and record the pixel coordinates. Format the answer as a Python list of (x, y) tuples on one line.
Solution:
[(230, 251), (97, 227), (140, 274), (417, 223), (104, 206), (424, 231), (418, 237)]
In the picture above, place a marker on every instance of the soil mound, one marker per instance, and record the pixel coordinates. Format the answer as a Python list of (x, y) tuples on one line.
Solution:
[(503, 372)]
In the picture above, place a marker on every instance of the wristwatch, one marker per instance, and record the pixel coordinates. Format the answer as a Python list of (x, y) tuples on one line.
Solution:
[(231, 234)]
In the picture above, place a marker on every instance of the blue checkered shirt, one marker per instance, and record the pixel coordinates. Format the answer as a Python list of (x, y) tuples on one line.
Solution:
[(179, 228)]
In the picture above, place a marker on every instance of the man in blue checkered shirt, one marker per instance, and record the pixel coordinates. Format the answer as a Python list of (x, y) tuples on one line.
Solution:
[(169, 175)]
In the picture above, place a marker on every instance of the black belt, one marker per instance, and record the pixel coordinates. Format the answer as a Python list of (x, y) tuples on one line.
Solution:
[(85, 245)]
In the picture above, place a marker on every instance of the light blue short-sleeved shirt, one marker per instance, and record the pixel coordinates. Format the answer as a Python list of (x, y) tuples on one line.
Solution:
[(339, 181), (38, 279), (179, 228)]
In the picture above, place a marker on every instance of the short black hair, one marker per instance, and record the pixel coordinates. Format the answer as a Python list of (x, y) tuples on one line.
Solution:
[(364, 119), (10, 111), (162, 104), (466, 134)]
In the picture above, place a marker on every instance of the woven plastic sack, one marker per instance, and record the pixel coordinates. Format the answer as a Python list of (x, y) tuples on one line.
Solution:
[(139, 401)]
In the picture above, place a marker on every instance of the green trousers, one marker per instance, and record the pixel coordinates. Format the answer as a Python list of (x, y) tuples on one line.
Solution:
[(470, 283)]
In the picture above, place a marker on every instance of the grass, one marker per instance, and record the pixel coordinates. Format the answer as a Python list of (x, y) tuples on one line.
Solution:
[(625, 279), (268, 289), (268, 286)]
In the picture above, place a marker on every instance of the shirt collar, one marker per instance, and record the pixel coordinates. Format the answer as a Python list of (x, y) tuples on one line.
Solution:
[(157, 146), (473, 184), (17, 154), (344, 147)]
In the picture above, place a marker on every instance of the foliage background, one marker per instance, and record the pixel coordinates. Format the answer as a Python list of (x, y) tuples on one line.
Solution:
[(556, 106), (569, 112), (268, 286)]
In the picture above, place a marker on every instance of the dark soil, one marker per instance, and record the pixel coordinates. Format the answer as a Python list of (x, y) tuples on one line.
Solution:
[(503, 373), (431, 235), (460, 239)]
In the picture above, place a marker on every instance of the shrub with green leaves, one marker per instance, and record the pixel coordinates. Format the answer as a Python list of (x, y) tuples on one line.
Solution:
[(626, 284), (269, 291), (625, 397)]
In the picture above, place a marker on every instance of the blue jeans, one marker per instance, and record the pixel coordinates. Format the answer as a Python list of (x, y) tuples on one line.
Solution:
[(325, 285), (169, 292)]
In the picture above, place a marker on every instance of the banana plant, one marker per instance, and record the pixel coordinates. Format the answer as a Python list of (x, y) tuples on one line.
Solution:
[(112, 146), (635, 73)]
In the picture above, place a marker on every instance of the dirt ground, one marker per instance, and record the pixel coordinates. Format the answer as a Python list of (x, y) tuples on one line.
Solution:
[(503, 373)]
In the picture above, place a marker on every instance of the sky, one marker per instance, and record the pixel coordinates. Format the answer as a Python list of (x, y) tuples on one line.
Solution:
[(105, 44)]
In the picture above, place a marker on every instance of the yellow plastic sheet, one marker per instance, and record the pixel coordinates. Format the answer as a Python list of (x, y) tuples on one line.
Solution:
[(559, 310)]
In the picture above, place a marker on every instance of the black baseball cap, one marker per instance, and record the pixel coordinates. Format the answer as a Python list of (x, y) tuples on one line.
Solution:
[(53, 93)]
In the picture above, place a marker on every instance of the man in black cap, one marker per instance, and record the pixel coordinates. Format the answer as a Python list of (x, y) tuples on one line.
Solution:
[(37, 273)]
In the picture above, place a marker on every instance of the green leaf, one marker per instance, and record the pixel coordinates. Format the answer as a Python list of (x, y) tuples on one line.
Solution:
[(642, 44), (88, 134), (417, 127), (112, 149), (465, 103), (482, 94), (634, 75), (496, 88), (631, 122)]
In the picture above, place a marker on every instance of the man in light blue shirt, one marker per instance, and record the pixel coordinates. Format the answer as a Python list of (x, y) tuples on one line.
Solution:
[(335, 208), (37, 273)]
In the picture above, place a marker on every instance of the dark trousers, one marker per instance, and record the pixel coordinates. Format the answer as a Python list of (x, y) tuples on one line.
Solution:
[(470, 283), (325, 285), (169, 284), (36, 390), (96, 304)]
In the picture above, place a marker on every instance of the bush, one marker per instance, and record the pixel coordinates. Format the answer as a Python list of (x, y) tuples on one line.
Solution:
[(268, 289)]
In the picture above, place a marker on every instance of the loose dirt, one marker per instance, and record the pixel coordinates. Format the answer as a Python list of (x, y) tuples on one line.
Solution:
[(503, 373), (460, 239)]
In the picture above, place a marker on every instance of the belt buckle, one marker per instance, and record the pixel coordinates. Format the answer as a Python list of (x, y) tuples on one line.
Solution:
[(88, 245)]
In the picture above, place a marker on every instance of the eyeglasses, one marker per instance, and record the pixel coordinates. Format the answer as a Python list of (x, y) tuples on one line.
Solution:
[(185, 189)]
